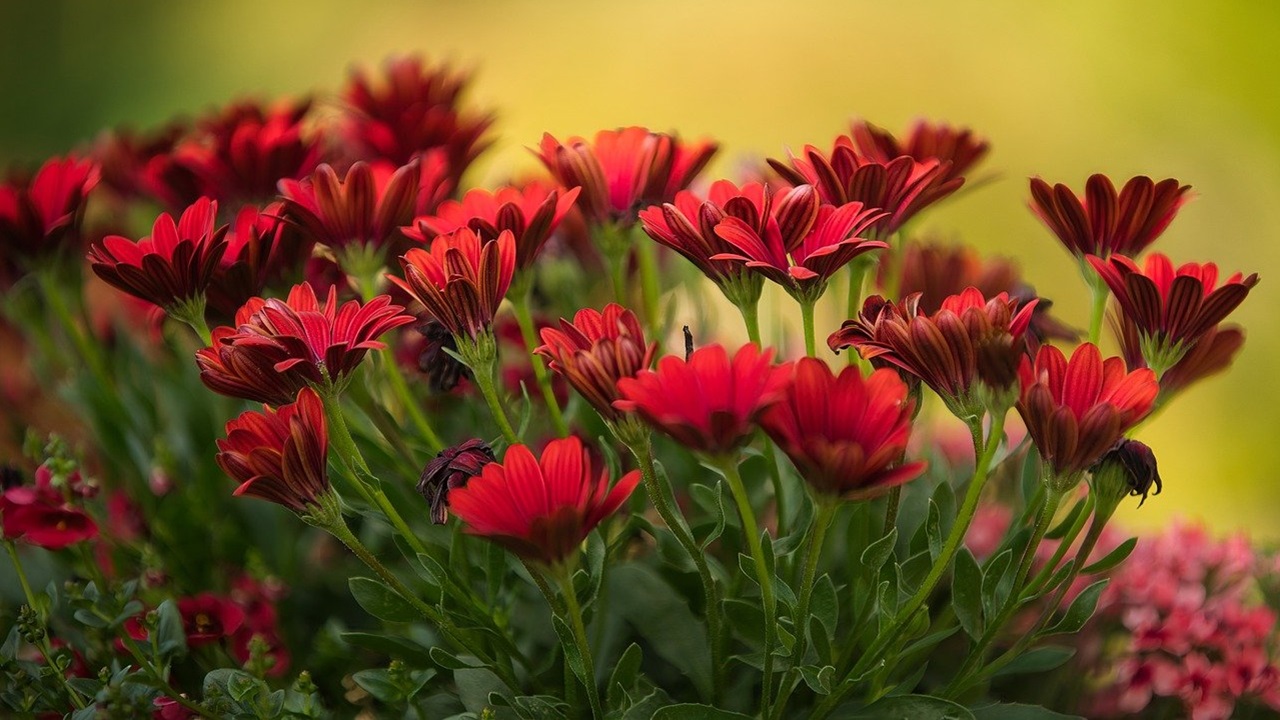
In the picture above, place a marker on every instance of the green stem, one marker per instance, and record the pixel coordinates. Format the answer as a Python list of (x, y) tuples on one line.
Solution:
[(751, 318), (401, 388), (574, 611), (728, 466), (650, 287), (525, 319), (800, 621), (806, 315), (891, 509), (775, 482), (88, 351), (485, 380), (43, 643), (1064, 545), (1098, 309), (857, 281), (169, 690), (658, 497)]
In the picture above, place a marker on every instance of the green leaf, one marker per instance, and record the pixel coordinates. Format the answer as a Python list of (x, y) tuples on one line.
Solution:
[(746, 619), (9, 650), (992, 580), (570, 647), (381, 601), (625, 672), (394, 646), (911, 707), (1059, 531), (475, 685), (170, 635), (1113, 558), (1019, 711), (1081, 609), (536, 707), (966, 592), (933, 531), (819, 679), (663, 619), (1041, 659), (879, 552), (448, 661), (824, 603), (378, 684), (694, 711), (713, 498)]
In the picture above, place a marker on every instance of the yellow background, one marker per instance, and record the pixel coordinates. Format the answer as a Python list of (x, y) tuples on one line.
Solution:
[(1187, 90)]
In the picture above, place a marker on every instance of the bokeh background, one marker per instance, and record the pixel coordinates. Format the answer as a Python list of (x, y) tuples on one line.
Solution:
[(1185, 90)]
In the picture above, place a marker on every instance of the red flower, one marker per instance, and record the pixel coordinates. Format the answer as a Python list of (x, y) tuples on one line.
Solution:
[(803, 259), (540, 510), (1102, 223), (279, 455), (450, 470), (1077, 410), (251, 256), (41, 516), (957, 148), (461, 281), (845, 435), (171, 267), (597, 350), (38, 216), (531, 214), (280, 347), (410, 109), (208, 618), (1171, 309), (708, 403), (622, 170), (970, 339), (365, 208), (900, 187), (166, 708)]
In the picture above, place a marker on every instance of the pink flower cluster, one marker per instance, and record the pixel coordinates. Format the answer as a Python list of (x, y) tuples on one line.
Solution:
[(1194, 625)]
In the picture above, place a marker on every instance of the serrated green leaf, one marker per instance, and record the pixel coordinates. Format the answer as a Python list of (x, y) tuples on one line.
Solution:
[(381, 601), (966, 593), (1113, 558), (1041, 659), (1080, 611)]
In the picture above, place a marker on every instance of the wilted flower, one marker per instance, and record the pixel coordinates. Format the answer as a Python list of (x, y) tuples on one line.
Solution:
[(461, 280), (432, 357), (957, 148), (1171, 309), (621, 171), (1130, 469), (279, 455), (709, 403), (1102, 222), (530, 213), (449, 470), (845, 434), (541, 511), (1077, 410), (597, 350)]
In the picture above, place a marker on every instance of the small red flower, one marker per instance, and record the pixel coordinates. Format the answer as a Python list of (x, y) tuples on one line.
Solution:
[(172, 266), (804, 266), (252, 255), (279, 455), (901, 187), (958, 148), (708, 403), (208, 618), (530, 213), (1102, 222), (450, 470), (39, 216), (1172, 309), (41, 516), (541, 510), (1077, 410), (280, 347), (461, 280), (622, 170), (845, 434), (970, 339), (365, 208), (597, 350)]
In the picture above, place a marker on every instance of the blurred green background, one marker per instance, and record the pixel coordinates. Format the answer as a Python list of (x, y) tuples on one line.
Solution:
[(1062, 90)]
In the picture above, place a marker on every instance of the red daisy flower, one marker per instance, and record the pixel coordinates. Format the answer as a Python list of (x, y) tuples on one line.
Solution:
[(462, 279), (39, 216), (1077, 410), (845, 434), (597, 350), (901, 187), (622, 170), (42, 517), (531, 214), (958, 148), (1171, 308), (708, 403), (540, 510), (280, 347), (1214, 352), (1102, 222), (171, 267), (805, 260), (279, 455), (970, 339), (251, 257)]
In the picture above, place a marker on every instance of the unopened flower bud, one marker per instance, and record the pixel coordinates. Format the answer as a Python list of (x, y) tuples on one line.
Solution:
[(1127, 470), (449, 470)]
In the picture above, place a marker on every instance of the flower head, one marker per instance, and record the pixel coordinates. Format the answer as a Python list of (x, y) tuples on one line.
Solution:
[(900, 187), (281, 346), (208, 618), (708, 403), (1077, 410), (461, 280), (1102, 222), (597, 350), (957, 148), (622, 170), (540, 509), (37, 217), (251, 256), (845, 434), (450, 470), (1172, 309), (279, 455), (1129, 468), (970, 340), (531, 214), (41, 516)]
